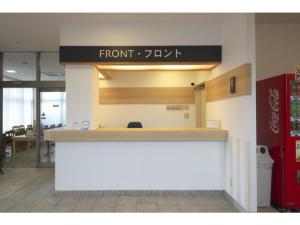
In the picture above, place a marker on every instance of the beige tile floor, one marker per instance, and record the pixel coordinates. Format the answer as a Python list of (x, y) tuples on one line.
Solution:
[(267, 210), (32, 190)]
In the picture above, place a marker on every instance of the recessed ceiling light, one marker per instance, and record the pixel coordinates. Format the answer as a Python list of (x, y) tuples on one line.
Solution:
[(157, 67), (10, 71), (52, 74)]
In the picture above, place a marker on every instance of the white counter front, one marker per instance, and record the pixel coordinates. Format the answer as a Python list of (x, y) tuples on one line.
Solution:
[(139, 159), (184, 165)]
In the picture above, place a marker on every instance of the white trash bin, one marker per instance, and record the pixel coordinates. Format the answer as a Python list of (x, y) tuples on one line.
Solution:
[(264, 176)]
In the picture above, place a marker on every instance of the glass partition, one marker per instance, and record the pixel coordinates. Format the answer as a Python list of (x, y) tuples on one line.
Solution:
[(53, 115), (18, 107), (19, 133), (51, 69), (32, 92), (19, 66)]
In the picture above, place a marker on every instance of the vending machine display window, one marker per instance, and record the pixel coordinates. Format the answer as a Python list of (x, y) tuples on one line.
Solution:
[(295, 107)]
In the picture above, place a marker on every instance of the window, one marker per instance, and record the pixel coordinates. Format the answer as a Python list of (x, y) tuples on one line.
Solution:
[(18, 107), (51, 70), (53, 108)]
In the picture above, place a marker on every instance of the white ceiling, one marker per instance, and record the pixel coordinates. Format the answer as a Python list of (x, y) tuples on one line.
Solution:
[(40, 32), (286, 18)]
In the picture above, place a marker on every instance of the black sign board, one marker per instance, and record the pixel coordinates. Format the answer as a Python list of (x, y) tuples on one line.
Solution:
[(117, 54)]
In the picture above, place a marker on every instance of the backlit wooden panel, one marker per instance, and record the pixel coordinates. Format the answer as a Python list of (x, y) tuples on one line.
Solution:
[(219, 88), (148, 95)]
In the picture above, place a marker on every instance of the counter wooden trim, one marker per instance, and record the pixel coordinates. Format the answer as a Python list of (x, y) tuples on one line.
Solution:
[(137, 134)]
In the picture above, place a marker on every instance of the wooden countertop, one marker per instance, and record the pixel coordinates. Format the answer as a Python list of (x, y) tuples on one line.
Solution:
[(137, 134)]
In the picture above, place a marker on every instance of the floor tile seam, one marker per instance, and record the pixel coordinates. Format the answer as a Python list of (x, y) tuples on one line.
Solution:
[(125, 204), (114, 203), (75, 205), (37, 201), (155, 201), (7, 209), (59, 203), (12, 193), (148, 204), (173, 205), (49, 210)]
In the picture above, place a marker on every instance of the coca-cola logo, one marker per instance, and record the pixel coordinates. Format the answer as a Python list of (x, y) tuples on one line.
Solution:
[(274, 108)]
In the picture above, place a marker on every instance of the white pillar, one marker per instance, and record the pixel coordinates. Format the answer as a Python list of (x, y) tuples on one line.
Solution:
[(82, 95)]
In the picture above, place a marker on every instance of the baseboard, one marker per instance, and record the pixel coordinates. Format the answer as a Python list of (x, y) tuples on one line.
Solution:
[(212, 193)]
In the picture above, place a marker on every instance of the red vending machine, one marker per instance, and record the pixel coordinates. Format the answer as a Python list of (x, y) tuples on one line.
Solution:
[(278, 127)]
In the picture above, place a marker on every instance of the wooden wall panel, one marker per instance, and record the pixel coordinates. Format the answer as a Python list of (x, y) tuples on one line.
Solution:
[(219, 88), (148, 95)]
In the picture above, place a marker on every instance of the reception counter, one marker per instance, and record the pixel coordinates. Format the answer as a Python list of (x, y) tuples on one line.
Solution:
[(139, 159), (137, 134)]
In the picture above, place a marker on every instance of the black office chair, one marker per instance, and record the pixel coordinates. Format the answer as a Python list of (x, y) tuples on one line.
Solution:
[(134, 125)]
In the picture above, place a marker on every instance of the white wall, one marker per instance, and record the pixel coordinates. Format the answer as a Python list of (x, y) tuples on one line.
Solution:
[(151, 79), (151, 115), (277, 49), (237, 115), (81, 95), (141, 33)]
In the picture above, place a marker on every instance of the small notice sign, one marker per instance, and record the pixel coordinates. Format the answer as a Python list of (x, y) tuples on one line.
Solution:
[(298, 150), (297, 73)]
